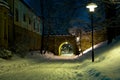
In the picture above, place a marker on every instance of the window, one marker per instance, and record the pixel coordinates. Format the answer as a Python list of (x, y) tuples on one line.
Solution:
[(29, 21), (16, 14), (24, 17), (5, 32), (38, 27), (34, 25)]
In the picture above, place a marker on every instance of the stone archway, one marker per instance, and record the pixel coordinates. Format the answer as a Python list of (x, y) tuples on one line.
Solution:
[(66, 49)]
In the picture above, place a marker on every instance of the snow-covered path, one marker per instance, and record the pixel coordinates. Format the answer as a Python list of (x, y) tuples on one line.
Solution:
[(72, 56), (105, 67)]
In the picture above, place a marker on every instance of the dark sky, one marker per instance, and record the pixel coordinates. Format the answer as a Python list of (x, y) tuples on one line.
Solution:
[(79, 13), (35, 4), (58, 8)]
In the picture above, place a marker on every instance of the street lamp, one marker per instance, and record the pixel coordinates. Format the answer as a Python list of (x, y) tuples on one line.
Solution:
[(91, 7)]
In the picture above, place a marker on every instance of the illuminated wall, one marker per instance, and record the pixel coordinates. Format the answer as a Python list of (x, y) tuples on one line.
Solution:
[(27, 25), (25, 17), (54, 43), (4, 11), (19, 23)]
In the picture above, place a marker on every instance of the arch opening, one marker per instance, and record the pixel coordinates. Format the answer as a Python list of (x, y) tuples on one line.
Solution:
[(66, 49)]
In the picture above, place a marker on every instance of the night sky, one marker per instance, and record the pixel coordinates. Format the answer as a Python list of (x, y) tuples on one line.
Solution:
[(66, 14), (35, 4)]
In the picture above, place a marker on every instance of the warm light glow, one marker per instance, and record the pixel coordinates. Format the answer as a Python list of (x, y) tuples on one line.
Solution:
[(91, 7), (61, 46), (77, 39), (66, 49), (66, 42)]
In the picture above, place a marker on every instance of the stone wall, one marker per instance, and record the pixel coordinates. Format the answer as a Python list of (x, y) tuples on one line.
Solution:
[(52, 43)]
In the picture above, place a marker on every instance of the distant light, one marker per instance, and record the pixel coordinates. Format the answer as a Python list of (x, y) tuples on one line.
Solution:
[(91, 7), (77, 39), (66, 42)]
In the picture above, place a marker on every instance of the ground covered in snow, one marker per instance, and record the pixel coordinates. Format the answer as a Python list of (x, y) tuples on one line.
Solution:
[(50, 67)]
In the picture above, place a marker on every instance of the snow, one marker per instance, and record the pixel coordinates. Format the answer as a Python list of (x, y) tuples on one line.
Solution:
[(51, 67)]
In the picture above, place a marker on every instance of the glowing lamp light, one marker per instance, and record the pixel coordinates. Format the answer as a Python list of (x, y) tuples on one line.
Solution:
[(77, 39), (91, 7), (66, 42)]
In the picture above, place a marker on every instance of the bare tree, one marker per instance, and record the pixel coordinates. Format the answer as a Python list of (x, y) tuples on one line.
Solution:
[(77, 32)]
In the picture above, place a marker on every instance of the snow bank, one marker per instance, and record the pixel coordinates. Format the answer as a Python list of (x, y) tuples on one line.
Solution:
[(50, 67)]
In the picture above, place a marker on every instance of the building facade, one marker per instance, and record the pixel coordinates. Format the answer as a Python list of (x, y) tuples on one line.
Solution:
[(19, 25), (4, 11)]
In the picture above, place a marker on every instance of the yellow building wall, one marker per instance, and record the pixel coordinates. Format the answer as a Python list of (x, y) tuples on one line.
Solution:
[(27, 37), (4, 26), (13, 32)]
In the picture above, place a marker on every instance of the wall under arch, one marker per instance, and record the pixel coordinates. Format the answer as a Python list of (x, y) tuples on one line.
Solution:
[(53, 42)]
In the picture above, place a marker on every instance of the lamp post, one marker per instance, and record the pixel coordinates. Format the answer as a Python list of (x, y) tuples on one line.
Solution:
[(91, 7), (43, 25)]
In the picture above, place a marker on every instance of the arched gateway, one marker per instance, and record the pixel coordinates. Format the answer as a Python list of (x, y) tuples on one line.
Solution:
[(66, 49)]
